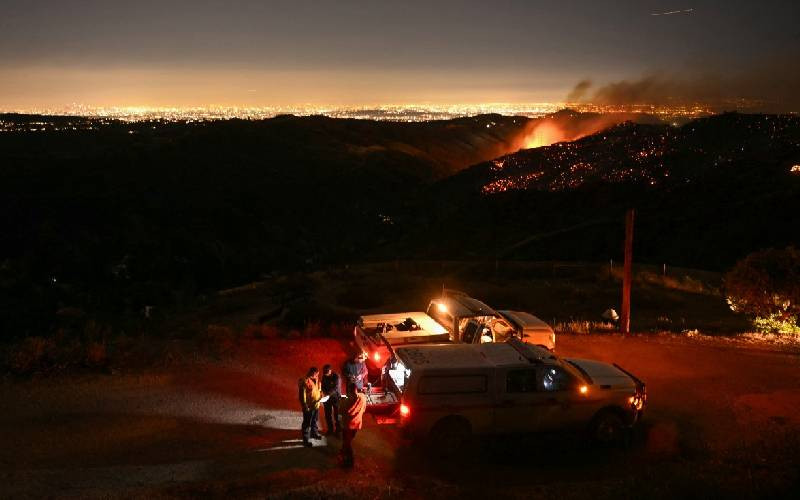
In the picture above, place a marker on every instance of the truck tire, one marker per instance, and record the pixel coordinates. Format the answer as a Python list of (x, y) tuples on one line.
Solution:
[(607, 428), (450, 435)]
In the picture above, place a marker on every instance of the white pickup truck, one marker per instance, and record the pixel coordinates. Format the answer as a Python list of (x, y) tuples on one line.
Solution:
[(454, 317), (447, 392)]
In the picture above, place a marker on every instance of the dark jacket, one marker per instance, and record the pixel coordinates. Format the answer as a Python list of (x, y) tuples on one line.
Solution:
[(355, 372), (330, 385)]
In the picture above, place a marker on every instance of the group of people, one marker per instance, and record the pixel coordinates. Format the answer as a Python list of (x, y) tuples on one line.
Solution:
[(343, 414)]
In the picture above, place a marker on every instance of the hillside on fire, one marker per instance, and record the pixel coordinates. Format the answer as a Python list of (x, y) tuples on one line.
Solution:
[(706, 194)]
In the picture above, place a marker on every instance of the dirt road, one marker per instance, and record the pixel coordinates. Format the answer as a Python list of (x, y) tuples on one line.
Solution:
[(721, 419)]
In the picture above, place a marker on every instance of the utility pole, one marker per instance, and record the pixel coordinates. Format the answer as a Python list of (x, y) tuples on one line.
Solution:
[(625, 317)]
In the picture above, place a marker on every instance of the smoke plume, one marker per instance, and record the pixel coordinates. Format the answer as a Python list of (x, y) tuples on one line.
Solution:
[(579, 91), (767, 86)]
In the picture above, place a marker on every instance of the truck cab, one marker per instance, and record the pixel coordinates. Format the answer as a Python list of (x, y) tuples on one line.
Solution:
[(454, 310), (448, 392), (472, 322)]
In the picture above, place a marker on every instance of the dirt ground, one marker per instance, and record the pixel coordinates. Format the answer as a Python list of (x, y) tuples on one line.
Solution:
[(723, 420)]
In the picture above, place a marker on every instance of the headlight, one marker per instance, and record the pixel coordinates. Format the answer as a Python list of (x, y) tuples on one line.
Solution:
[(637, 401)]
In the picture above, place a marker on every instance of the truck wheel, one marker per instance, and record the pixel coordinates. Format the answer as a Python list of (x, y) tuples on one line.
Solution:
[(607, 428), (449, 435)]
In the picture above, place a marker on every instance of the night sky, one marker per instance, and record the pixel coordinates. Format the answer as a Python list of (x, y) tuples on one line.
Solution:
[(197, 52)]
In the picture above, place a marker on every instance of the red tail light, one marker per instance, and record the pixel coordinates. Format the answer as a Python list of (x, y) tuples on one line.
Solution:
[(405, 411), (376, 356)]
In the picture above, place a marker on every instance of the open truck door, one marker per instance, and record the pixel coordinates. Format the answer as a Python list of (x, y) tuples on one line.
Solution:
[(384, 401)]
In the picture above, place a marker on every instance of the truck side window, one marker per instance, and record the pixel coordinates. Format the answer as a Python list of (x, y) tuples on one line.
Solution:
[(555, 379), (521, 381), (452, 384), (470, 332)]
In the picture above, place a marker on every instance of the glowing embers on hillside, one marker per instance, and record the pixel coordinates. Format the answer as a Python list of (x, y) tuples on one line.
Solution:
[(516, 182)]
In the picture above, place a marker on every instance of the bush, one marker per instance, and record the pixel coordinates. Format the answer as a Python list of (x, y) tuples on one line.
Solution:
[(260, 331), (765, 285), (96, 355), (583, 327), (221, 340), (33, 354)]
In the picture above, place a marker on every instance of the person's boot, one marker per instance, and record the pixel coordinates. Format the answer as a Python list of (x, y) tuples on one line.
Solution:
[(307, 443)]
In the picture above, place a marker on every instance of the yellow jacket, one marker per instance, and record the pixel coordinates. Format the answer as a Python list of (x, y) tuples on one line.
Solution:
[(310, 393)]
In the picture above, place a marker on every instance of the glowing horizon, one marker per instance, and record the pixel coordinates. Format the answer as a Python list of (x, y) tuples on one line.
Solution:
[(278, 53)]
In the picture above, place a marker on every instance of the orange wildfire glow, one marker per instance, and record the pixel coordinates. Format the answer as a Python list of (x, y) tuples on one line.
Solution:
[(553, 129), (545, 134)]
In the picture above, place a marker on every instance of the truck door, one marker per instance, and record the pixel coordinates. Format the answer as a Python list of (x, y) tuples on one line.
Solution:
[(564, 403), (383, 402), (519, 403)]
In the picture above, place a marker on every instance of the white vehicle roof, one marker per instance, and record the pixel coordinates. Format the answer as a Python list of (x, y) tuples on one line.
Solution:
[(463, 306), (427, 324), (527, 321), (445, 356)]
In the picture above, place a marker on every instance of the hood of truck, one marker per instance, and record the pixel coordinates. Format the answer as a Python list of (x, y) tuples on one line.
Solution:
[(526, 321), (605, 374)]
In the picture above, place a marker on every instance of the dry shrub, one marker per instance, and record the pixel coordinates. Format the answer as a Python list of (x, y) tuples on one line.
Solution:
[(32, 355), (313, 329), (96, 355), (341, 330), (333, 329), (261, 331), (683, 284), (583, 327), (221, 340), (362, 296)]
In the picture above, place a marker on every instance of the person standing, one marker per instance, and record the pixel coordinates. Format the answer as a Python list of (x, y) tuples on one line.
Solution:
[(332, 389), (310, 394), (355, 370), (352, 409)]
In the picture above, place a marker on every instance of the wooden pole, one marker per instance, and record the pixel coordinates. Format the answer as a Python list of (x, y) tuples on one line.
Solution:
[(625, 317)]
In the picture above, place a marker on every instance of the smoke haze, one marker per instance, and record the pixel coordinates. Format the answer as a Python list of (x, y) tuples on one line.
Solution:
[(771, 86)]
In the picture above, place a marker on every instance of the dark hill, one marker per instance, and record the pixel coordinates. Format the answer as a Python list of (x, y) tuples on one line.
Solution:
[(123, 214)]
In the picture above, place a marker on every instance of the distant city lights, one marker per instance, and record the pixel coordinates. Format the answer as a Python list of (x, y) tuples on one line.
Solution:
[(400, 113)]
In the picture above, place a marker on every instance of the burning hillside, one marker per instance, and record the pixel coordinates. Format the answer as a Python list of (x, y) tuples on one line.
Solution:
[(630, 153), (569, 125)]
